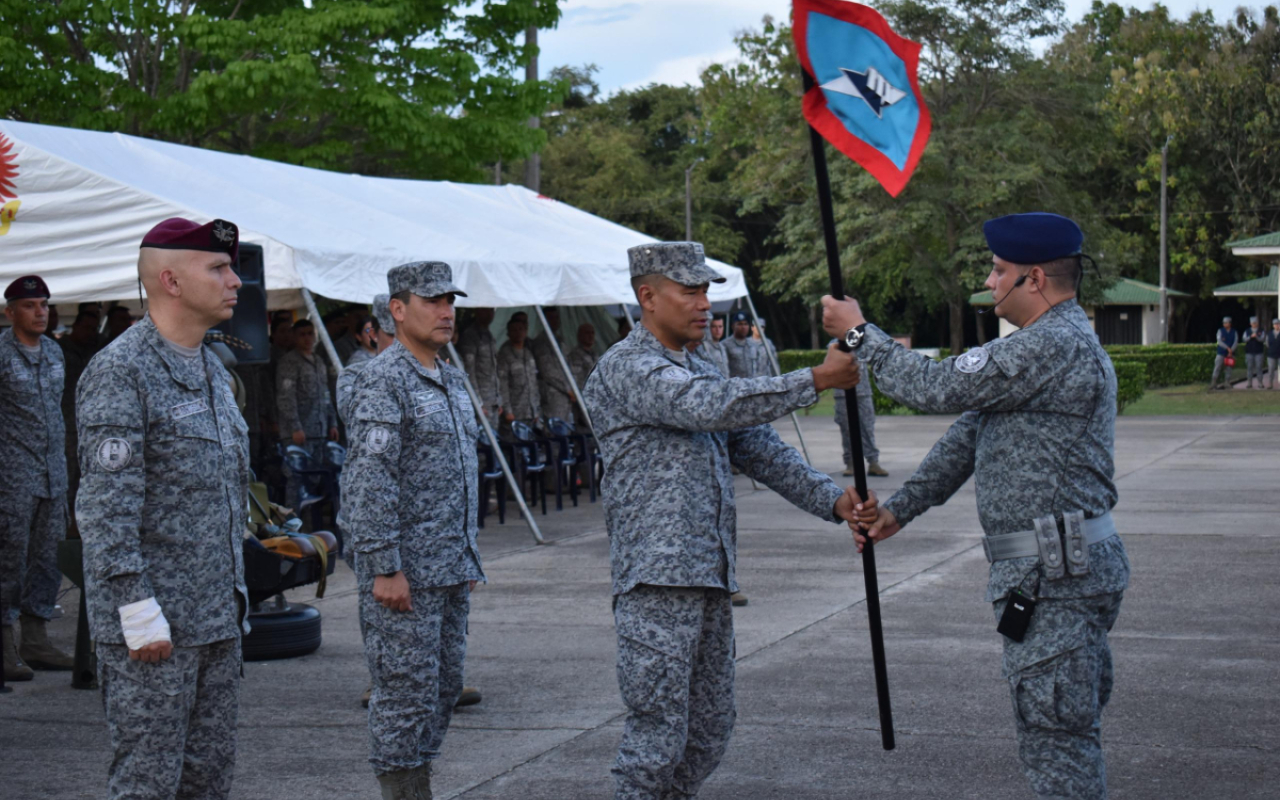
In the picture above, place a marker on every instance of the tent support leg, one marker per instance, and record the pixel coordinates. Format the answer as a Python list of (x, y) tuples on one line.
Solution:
[(564, 365), (777, 371), (314, 314), (497, 450), (627, 311)]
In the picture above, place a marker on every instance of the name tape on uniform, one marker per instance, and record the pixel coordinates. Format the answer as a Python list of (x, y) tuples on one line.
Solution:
[(187, 409)]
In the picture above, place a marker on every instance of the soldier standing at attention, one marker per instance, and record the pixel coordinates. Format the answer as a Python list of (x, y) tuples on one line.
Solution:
[(383, 335), (746, 356), (518, 378), (582, 359), (663, 417), (307, 415), (712, 348), (555, 393), (480, 361), (33, 496), (164, 453), (410, 488), (1038, 434)]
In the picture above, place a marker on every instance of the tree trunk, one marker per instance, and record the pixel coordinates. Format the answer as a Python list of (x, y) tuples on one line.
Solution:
[(957, 326), (815, 328)]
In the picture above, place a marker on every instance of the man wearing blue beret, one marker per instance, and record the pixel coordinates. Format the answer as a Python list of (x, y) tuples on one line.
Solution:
[(1037, 433)]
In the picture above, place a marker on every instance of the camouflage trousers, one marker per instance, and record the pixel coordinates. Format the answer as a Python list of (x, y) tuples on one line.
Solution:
[(415, 659), (172, 724), (30, 529), (866, 421), (675, 671), (1060, 678)]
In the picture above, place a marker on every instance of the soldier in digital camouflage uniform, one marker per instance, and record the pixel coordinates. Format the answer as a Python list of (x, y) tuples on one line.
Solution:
[(713, 349), (746, 356), (409, 500), (518, 379), (866, 423), (1037, 433), (384, 336), (164, 454), (307, 414), (669, 425), (33, 495), (554, 392), (479, 354)]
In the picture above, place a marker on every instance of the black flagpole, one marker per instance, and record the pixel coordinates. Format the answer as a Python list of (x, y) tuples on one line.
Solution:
[(855, 436)]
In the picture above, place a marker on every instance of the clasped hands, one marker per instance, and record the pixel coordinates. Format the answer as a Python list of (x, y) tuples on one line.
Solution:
[(866, 518)]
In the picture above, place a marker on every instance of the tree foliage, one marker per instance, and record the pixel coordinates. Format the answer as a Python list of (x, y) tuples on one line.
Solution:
[(423, 88)]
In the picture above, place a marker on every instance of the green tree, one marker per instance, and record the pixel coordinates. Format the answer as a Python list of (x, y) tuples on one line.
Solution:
[(421, 88)]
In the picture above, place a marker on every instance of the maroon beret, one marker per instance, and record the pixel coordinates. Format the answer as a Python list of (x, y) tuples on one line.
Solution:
[(177, 233), (26, 287)]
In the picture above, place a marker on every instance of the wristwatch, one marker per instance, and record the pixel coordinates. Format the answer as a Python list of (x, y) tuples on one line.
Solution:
[(854, 337)]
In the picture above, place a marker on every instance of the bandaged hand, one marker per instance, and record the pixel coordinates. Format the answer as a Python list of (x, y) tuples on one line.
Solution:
[(146, 631)]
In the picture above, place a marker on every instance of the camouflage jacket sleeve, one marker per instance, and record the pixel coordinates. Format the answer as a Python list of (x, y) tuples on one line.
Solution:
[(287, 378), (371, 476), (761, 453), (673, 397), (944, 470), (549, 371), (112, 423), (999, 376)]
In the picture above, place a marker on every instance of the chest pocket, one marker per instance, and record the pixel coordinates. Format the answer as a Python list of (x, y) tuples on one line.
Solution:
[(183, 447), (431, 414), (19, 377)]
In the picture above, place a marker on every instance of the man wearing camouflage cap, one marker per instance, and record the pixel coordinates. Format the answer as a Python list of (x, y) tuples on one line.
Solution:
[(664, 415), (409, 492), (1037, 434), (384, 335), (162, 508), (746, 354), (33, 496)]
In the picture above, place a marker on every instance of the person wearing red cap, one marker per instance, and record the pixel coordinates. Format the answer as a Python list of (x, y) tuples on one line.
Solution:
[(164, 454), (33, 496)]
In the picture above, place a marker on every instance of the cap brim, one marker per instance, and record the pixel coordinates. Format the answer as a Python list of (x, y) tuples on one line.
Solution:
[(701, 274)]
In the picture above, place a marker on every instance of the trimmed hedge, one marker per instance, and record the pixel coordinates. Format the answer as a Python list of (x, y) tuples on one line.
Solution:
[(1132, 370), (1169, 364), (1131, 382)]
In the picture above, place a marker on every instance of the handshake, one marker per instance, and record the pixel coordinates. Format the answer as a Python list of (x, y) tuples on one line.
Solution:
[(865, 517)]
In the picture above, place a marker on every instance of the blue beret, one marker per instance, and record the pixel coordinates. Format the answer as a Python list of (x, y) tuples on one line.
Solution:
[(1033, 238)]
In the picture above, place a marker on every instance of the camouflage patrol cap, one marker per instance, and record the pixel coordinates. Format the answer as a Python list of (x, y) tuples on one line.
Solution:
[(423, 278), (382, 312), (683, 262)]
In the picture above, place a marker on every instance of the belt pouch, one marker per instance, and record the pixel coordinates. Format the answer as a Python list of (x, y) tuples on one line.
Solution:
[(1050, 545), (1075, 545)]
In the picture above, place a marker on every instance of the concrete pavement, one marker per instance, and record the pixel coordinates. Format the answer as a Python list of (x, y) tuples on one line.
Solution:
[(1194, 713)]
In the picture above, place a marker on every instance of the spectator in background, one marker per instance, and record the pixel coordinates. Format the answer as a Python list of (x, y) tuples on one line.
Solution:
[(118, 321), (78, 346), (479, 354), (624, 328), (582, 359), (1255, 346), (366, 339), (518, 379), (281, 338), (307, 414), (348, 328), (1273, 352), (1227, 341), (554, 392), (51, 327), (747, 356), (771, 352)]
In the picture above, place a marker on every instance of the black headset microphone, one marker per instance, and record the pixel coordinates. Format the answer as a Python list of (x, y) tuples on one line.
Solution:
[(1021, 280)]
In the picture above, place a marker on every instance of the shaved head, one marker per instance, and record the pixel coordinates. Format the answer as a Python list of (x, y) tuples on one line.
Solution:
[(152, 261), (188, 291)]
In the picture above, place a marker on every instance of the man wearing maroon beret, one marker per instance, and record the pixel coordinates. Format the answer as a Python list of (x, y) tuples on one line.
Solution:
[(33, 496), (164, 455)]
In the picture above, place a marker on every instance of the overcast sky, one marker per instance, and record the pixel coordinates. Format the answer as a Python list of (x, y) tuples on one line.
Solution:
[(671, 41)]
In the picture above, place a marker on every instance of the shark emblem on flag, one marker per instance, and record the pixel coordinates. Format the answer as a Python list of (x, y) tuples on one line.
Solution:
[(871, 86)]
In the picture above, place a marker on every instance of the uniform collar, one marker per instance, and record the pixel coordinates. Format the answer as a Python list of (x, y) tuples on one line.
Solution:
[(189, 375), (398, 350), (9, 339), (645, 338)]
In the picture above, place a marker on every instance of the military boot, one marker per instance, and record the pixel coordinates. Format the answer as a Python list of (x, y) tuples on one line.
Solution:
[(874, 468), (848, 470), (38, 651), (469, 697), (738, 599), (409, 784), (14, 669)]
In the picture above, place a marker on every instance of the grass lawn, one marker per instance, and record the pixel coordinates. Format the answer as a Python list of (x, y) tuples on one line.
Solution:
[(1196, 399)]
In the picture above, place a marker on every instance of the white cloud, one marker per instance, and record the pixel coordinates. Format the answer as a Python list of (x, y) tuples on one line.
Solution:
[(683, 70)]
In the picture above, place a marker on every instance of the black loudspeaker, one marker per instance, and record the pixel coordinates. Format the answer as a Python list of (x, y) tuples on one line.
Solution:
[(250, 322)]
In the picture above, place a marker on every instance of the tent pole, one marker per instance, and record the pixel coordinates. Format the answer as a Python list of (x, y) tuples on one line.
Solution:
[(627, 311), (314, 314), (564, 365), (493, 442), (777, 371)]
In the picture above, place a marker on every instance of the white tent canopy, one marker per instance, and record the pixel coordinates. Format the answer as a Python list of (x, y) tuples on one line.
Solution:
[(87, 198)]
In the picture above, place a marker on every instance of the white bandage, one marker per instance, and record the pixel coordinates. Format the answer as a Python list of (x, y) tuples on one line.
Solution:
[(143, 624)]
